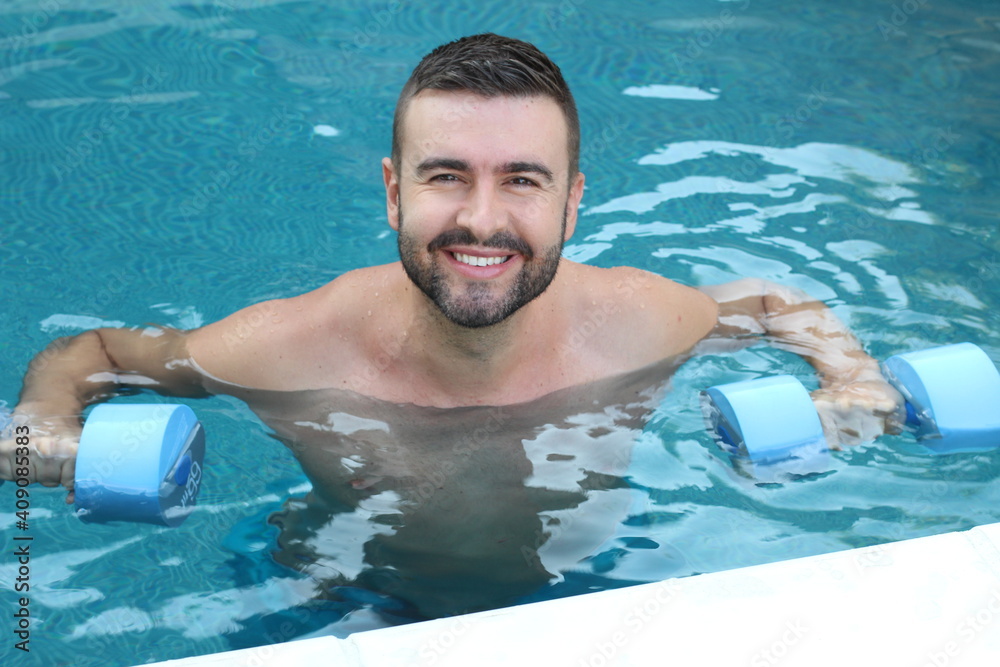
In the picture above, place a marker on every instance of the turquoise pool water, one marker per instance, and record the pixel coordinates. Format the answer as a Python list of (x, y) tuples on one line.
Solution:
[(173, 162)]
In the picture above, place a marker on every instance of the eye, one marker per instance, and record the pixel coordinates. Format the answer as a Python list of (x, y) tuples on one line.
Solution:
[(444, 178), (522, 181)]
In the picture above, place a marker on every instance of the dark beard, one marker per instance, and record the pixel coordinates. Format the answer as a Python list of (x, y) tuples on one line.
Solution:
[(476, 307)]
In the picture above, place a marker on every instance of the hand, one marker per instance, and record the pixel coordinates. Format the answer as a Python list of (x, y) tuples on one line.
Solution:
[(859, 412), (51, 448)]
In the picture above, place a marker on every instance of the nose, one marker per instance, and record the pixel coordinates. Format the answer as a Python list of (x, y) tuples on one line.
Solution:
[(483, 212)]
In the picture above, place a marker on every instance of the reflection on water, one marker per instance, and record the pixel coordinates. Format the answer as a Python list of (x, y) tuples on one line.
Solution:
[(453, 510)]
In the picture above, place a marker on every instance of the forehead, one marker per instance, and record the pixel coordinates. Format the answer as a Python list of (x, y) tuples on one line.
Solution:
[(464, 125)]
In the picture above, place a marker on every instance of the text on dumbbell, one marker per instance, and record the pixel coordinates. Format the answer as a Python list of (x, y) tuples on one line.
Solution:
[(192, 486)]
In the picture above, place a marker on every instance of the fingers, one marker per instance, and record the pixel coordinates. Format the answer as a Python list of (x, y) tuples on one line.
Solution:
[(47, 470), (894, 420), (66, 477), (67, 474), (6, 469), (830, 429), (43, 451), (49, 460), (859, 412)]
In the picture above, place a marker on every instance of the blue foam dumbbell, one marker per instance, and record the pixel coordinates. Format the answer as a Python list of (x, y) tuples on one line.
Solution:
[(770, 419), (952, 402), (952, 396), (138, 462)]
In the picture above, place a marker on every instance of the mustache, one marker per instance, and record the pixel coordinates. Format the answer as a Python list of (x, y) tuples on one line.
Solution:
[(502, 240)]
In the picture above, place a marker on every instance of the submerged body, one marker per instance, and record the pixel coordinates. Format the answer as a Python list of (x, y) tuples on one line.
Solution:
[(459, 509)]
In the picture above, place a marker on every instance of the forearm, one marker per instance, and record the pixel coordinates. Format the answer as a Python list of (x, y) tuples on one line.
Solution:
[(64, 377), (794, 321), (790, 319), (72, 373), (855, 403)]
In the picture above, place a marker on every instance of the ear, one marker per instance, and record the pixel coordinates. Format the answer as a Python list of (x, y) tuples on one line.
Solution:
[(573, 204), (391, 180)]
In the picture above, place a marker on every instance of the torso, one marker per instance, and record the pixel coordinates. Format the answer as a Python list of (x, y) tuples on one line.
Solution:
[(461, 509), (357, 334), (472, 506)]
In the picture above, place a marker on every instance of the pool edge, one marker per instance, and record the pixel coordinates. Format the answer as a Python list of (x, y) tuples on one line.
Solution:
[(931, 600)]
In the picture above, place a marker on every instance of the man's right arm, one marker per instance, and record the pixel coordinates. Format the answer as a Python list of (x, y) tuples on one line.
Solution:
[(72, 373)]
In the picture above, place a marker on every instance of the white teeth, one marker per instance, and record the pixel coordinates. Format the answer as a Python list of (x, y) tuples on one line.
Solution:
[(479, 261)]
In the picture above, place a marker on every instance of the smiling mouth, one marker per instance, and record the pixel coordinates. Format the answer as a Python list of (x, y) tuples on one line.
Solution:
[(473, 260)]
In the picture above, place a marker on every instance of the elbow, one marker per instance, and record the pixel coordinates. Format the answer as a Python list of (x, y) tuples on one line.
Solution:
[(100, 343), (776, 298)]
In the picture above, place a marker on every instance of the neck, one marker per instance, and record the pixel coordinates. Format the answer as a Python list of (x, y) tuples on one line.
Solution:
[(480, 365)]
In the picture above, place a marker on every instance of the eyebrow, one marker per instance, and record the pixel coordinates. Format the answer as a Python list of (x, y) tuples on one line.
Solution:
[(527, 167), (516, 167), (431, 164)]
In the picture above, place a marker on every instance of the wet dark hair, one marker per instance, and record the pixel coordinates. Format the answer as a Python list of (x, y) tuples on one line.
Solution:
[(491, 66)]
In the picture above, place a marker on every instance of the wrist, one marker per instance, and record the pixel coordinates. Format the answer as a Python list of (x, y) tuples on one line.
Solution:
[(51, 410), (856, 367)]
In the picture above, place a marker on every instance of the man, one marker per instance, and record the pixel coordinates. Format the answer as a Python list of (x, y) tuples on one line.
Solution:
[(483, 188)]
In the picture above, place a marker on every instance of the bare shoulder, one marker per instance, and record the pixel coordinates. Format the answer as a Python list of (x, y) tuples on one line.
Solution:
[(292, 343), (654, 316)]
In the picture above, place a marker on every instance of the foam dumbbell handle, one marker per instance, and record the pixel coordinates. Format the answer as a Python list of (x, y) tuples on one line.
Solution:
[(140, 463), (769, 419), (952, 395)]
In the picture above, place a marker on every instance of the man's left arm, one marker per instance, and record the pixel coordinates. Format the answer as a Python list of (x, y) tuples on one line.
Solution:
[(855, 403)]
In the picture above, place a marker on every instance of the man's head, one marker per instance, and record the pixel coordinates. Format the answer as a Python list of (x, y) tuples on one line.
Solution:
[(490, 66), (484, 166)]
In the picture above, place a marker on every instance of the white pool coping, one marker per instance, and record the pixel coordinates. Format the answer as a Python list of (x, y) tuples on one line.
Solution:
[(931, 601)]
